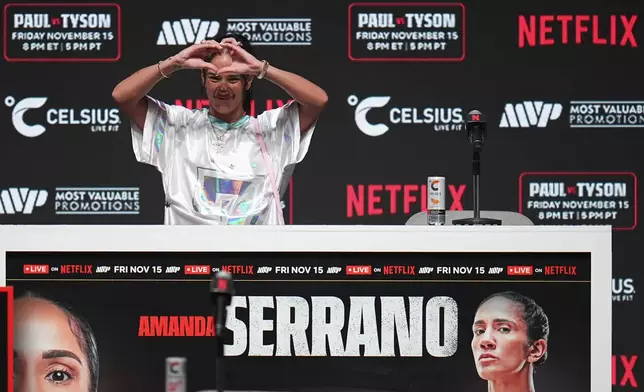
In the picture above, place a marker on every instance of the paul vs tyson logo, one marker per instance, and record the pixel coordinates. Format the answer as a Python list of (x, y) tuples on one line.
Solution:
[(62, 32)]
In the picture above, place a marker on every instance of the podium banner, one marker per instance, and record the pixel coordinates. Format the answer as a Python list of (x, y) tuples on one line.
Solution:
[(298, 321)]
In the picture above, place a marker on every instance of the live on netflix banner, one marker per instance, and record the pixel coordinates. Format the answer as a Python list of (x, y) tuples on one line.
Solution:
[(298, 321)]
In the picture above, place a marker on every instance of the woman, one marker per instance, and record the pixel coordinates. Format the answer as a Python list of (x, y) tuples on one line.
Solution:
[(510, 341), (54, 349), (220, 166)]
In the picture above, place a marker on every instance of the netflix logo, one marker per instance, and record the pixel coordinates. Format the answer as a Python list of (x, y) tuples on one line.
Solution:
[(623, 370), (520, 270), (391, 199), (560, 270), (196, 270), (35, 269), (239, 269), (548, 30), (359, 270)]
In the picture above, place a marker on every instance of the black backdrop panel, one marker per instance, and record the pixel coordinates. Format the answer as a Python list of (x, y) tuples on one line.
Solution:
[(559, 82)]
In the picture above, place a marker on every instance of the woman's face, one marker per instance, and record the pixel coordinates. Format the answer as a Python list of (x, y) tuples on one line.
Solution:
[(47, 354), (225, 92), (500, 343)]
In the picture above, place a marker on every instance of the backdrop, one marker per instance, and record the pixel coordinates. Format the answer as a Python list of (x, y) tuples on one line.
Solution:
[(560, 85)]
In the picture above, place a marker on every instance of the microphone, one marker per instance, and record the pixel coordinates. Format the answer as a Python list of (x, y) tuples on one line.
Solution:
[(476, 129), (221, 292)]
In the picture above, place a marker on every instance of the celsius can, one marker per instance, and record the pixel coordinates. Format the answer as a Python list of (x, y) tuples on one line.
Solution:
[(436, 201), (175, 374)]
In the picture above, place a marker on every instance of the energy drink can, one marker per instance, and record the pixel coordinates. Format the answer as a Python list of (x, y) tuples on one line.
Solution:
[(176, 377), (435, 201)]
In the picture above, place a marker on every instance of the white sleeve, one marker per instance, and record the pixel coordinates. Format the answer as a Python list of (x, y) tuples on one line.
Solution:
[(154, 144), (281, 130)]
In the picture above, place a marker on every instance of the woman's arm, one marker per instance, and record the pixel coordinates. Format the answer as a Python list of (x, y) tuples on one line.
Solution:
[(311, 98), (130, 93)]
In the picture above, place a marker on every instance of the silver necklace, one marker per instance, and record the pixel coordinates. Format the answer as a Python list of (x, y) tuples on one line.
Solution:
[(220, 142)]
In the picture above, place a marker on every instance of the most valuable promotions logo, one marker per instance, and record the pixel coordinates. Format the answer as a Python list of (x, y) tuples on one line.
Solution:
[(21, 200), (97, 201), (259, 31), (94, 119), (581, 114), (441, 118), (62, 32)]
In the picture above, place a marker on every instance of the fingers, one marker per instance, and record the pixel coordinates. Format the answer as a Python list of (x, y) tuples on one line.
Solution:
[(232, 41), (232, 48), (211, 42), (203, 65), (229, 45), (210, 67), (224, 70), (207, 46)]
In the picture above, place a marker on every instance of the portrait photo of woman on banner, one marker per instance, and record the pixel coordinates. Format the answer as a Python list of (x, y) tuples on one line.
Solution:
[(54, 348), (510, 341)]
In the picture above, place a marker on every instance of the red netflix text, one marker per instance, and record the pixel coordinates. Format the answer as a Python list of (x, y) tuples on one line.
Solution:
[(204, 103), (35, 269), (377, 199), (560, 270), (76, 269), (545, 30), (399, 270), (239, 269), (623, 374)]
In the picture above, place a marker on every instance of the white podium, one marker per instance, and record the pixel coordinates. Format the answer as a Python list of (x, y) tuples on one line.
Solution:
[(455, 267)]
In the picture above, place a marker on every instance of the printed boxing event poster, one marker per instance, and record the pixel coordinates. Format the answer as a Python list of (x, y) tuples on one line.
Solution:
[(305, 321)]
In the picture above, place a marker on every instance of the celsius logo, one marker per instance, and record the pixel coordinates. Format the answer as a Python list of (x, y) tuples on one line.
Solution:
[(19, 111), (623, 289), (361, 114), (443, 119), (98, 119)]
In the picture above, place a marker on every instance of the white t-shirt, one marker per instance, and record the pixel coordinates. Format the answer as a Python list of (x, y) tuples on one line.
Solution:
[(213, 172)]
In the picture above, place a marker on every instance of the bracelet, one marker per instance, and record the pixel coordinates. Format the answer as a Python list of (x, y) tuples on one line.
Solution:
[(161, 72), (264, 69)]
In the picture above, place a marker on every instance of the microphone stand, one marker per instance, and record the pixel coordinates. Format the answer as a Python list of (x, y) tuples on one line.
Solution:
[(219, 364), (476, 173), (221, 292)]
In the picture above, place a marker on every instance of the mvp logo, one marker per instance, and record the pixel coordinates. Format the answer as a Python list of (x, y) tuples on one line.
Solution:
[(21, 200)]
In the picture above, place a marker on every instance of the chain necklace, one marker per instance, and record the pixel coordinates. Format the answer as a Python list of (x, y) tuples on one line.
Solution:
[(221, 138), (220, 142)]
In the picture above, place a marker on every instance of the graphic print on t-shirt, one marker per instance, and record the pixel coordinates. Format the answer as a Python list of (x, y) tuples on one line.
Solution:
[(235, 201)]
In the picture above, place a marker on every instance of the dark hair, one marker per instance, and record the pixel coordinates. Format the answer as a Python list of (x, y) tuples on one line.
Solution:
[(533, 315), (83, 332), (245, 43)]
